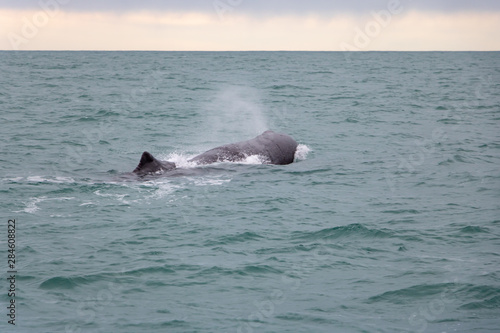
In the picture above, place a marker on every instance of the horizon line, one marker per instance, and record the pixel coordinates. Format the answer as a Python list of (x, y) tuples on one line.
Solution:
[(332, 51)]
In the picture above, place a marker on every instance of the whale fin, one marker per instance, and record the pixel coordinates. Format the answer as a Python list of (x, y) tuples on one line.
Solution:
[(149, 164), (145, 159)]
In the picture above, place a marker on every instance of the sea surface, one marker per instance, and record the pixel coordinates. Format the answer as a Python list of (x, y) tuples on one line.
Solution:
[(388, 221)]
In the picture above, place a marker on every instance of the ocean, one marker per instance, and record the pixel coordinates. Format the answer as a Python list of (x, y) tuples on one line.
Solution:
[(387, 221)]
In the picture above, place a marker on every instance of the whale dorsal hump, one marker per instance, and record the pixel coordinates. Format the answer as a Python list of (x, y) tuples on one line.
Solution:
[(149, 164), (146, 158)]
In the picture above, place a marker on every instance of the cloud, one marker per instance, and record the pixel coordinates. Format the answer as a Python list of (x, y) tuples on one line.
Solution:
[(435, 31), (273, 7), (198, 30)]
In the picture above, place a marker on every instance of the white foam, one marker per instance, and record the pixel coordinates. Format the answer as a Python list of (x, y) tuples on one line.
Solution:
[(301, 152), (14, 180), (254, 159), (181, 160), (42, 179), (163, 189), (36, 179), (210, 181), (31, 205), (63, 180), (119, 197)]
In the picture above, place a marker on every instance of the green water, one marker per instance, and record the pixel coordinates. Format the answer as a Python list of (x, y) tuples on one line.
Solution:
[(387, 222)]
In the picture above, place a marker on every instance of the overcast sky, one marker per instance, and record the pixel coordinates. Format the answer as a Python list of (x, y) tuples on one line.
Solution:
[(260, 6), (250, 25)]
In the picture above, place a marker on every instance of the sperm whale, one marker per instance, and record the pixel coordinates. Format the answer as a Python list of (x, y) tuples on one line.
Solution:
[(272, 147)]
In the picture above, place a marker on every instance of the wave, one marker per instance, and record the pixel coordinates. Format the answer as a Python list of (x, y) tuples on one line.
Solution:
[(474, 229), (287, 86), (409, 294), (62, 282), (355, 230), (465, 296), (480, 297), (245, 270), (237, 238)]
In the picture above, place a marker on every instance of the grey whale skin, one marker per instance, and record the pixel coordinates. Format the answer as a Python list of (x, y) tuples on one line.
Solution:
[(276, 148)]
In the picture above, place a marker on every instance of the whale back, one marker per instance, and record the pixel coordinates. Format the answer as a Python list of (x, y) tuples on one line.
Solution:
[(275, 148), (279, 148)]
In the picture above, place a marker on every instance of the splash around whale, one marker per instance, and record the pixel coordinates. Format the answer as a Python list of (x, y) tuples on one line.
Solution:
[(271, 147)]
